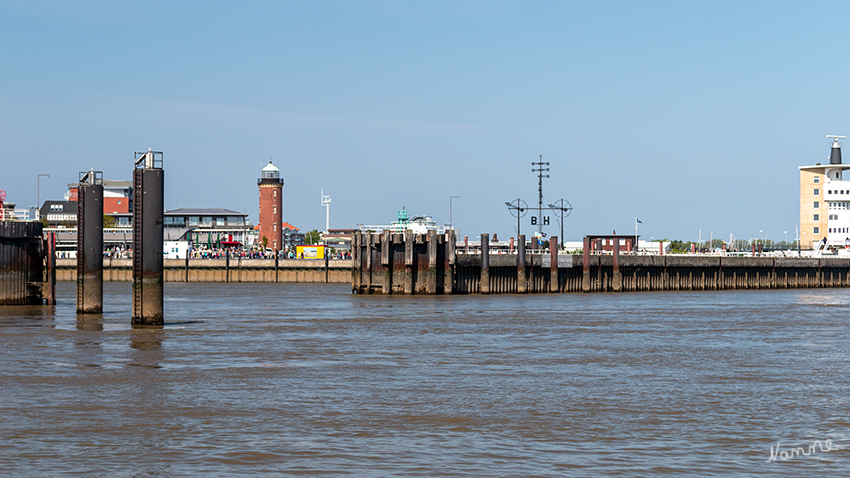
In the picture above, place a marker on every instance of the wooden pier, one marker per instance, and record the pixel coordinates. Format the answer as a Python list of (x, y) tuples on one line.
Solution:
[(405, 263)]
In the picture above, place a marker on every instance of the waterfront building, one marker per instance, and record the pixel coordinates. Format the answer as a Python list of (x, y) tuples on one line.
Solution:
[(117, 195), (271, 207), (404, 222), (825, 202)]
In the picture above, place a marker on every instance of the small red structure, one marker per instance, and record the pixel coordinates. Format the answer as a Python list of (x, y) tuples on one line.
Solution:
[(606, 242)]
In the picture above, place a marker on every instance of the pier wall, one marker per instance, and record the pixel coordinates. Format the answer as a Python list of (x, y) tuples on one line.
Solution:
[(21, 263), (418, 264), (223, 270)]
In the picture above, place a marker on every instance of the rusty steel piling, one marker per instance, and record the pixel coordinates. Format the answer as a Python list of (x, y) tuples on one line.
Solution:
[(148, 199), (90, 243), (50, 272), (21, 263)]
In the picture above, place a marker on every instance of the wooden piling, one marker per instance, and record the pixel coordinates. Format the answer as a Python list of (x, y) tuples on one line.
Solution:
[(553, 264), (386, 271), (408, 262), (521, 273), (617, 279), (431, 278), (484, 283), (448, 263), (585, 276)]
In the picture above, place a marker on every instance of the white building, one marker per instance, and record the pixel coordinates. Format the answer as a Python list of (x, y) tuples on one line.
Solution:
[(825, 202)]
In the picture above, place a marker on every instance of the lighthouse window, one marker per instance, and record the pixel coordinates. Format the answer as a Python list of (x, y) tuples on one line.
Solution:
[(274, 193), (816, 217), (817, 205), (817, 180), (816, 230), (817, 192)]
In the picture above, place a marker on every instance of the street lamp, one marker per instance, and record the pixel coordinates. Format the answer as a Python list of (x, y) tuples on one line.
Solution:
[(38, 196), (450, 209)]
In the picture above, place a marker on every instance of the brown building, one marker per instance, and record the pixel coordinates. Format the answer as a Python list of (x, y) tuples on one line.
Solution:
[(271, 207)]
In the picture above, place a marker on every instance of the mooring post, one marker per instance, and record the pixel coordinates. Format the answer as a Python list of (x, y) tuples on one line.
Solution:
[(90, 243), (226, 265), (521, 280), (51, 268), (148, 187), (484, 284), (553, 264), (617, 279), (585, 265), (386, 262), (431, 280)]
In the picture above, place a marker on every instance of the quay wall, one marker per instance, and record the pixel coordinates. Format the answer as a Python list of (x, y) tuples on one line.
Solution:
[(405, 263), (223, 270)]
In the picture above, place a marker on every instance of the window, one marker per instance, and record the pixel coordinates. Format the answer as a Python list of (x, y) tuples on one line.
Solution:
[(274, 193), (816, 218), (817, 192), (817, 205), (817, 180), (275, 230), (816, 230)]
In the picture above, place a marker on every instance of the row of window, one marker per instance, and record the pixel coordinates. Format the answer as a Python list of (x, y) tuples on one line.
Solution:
[(838, 191), (837, 229), (839, 205), (208, 221)]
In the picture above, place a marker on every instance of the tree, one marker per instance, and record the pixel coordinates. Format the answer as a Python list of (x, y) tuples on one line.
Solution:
[(265, 241), (109, 221), (313, 237)]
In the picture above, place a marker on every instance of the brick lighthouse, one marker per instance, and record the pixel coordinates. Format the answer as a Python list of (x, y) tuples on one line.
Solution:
[(271, 207)]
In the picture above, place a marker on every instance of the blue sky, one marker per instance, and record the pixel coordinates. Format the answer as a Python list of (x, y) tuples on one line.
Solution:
[(688, 115)]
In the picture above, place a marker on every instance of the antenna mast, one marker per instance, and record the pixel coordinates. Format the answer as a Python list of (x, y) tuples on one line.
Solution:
[(537, 167)]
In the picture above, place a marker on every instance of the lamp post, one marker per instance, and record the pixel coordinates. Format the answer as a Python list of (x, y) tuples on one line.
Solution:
[(450, 210), (38, 196), (563, 208)]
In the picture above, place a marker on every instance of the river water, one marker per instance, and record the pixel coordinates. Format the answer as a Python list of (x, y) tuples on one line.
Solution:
[(283, 379)]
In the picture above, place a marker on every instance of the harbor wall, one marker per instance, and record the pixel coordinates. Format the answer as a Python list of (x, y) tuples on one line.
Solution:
[(21, 263), (223, 270), (390, 263)]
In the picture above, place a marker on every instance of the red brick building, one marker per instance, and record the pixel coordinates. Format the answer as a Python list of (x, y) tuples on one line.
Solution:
[(117, 195), (271, 207)]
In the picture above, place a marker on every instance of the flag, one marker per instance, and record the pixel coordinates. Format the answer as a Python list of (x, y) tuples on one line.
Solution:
[(638, 221)]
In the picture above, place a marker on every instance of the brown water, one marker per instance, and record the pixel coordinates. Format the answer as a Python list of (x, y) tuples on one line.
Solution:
[(265, 379)]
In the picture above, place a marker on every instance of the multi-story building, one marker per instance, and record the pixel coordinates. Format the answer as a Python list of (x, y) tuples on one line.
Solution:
[(117, 195), (271, 207), (825, 202)]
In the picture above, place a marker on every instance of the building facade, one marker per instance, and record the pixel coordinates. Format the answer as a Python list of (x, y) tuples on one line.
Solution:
[(825, 202), (271, 207), (117, 196)]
